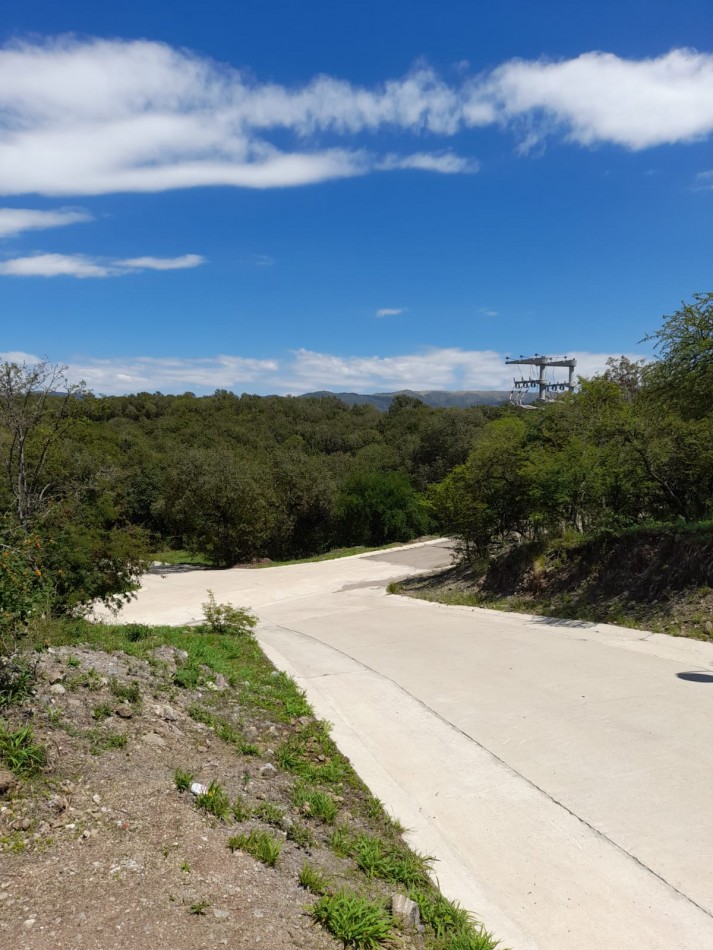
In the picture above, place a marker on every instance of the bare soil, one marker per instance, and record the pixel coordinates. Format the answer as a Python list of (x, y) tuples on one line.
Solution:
[(102, 851)]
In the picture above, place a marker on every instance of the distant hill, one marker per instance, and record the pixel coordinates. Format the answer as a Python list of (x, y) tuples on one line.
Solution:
[(439, 399)]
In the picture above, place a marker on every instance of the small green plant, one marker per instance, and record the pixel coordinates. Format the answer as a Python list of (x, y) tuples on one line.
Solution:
[(341, 841), (315, 803), (215, 801), (270, 813), (300, 834), (182, 780), (136, 631), (227, 618), (241, 809), (261, 844), (89, 680), (185, 867), (16, 679), (390, 861), (21, 754), (74, 662), (199, 908), (101, 740), (126, 692), (102, 711), (313, 880), (356, 921)]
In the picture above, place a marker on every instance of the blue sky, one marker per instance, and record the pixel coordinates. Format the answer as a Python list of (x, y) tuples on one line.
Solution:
[(372, 196)]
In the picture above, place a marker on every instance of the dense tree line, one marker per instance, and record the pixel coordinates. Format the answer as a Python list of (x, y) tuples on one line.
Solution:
[(633, 445), (92, 485)]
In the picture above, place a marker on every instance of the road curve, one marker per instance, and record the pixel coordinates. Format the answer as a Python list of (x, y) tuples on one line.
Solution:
[(559, 771)]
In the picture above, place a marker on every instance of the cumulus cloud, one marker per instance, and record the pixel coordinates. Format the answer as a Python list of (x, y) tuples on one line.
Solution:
[(99, 116), (16, 220), (389, 311), (79, 265), (306, 370)]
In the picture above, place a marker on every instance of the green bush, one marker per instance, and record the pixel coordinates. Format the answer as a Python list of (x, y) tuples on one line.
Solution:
[(226, 618)]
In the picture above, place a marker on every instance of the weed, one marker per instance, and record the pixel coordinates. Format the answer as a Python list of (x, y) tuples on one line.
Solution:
[(313, 880), (227, 618), (187, 676), (315, 803), (126, 692), (101, 740), (270, 813), (390, 861), (241, 810), (444, 916), (54, 716), (341, 841), (89, 680), (102, 711), (261, 844), (356, 921), (201, 715), (215, 801), (16, 679), (185, 867), (199, 908), (300, 834), (136, 631), (182, 780), (19, 752), (74, 662)]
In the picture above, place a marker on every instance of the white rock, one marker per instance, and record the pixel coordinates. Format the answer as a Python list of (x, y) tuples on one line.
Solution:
[(198, 789)]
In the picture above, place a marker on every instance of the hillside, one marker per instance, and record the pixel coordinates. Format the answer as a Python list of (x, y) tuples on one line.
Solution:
[(436, 398), (659, 578)]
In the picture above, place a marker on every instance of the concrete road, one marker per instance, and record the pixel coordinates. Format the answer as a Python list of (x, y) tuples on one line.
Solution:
[(560, 771)]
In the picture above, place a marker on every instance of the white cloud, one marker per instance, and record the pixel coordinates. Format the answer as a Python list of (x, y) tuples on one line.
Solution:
[(305, 371), (55, 265), (444, 162), (16, 220), (705, 180), (100, 116), (162, 263), (489, 313), (389, 311), (599, 97), (79, 265)]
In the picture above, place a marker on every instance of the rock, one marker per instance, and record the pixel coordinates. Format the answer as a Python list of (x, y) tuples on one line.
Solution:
[(220, 914), (8, 782), (165, 712), (97, 799), (198, 789), (57, 689), (405, 910), (267, 771), (708, 626), (154, 739), (124, 711), (55, 678), (221, 682)]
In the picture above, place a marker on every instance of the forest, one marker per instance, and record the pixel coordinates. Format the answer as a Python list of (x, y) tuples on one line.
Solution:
[(93, 486)]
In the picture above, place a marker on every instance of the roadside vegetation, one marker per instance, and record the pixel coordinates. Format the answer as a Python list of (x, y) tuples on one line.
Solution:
[(599, 505), (274, 789)]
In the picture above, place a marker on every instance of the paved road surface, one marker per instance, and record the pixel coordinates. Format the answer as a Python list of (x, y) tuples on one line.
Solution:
[(560, 771)]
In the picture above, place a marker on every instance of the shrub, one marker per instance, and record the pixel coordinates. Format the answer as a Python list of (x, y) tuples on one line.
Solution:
[(227, 618)]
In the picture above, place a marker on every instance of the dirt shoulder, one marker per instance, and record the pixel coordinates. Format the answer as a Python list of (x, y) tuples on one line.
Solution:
[(103, 844), (654, 579)]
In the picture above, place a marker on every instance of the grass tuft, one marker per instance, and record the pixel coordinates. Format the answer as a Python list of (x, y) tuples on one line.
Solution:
[(126, 692), (356, 921), (313, 880), (182, 780), (260, 844), (315, 803), (21, 754), (215, 801)]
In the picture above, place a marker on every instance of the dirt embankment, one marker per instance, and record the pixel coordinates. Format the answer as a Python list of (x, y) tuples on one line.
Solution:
[(660, 578), (168, 787)]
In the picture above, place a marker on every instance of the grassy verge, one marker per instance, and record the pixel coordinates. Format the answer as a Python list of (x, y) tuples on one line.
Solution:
[(306, 801), (167, 556)]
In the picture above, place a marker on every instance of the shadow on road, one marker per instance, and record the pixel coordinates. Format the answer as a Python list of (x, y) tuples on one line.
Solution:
[(696, 677), (559, 622)]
